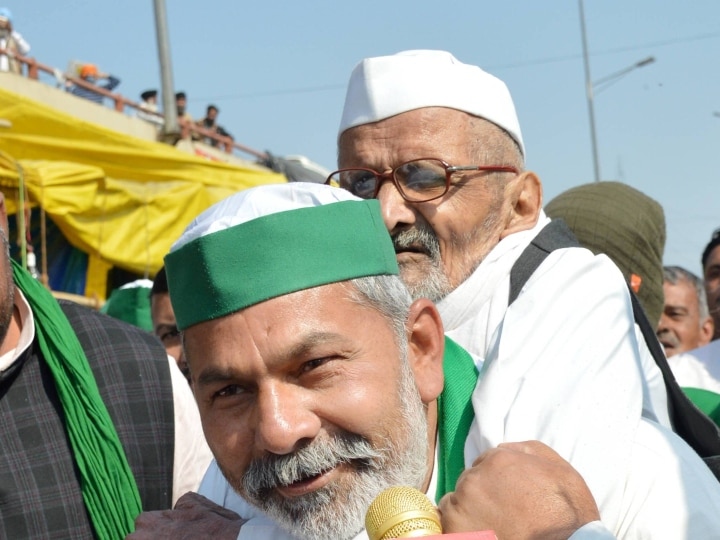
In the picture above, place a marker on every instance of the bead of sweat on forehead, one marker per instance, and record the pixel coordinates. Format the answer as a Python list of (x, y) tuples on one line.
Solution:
[(273, 240)]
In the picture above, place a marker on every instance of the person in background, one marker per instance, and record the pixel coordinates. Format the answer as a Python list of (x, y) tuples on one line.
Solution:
[(90, 74), (148, 110), (210, 123), (11, 42), (96, 423), (184, 118), (164, 325), (685, 323), (181, 104), (697, 371), (130, 303), (711, 270), (438, 143)]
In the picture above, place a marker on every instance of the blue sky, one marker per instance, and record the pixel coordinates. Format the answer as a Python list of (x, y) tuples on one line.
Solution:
[(277, 71)]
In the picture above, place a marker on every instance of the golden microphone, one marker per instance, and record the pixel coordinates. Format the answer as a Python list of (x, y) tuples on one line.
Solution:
[(402, 512)]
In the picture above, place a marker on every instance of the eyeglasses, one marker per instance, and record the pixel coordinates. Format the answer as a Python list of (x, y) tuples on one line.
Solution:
[(418, 180)]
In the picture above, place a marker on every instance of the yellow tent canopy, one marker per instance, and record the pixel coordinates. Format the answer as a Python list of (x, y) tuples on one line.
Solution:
[(120, 199)]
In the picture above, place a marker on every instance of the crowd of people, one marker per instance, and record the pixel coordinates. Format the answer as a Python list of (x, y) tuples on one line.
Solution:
[(424, 319), (92, 84)]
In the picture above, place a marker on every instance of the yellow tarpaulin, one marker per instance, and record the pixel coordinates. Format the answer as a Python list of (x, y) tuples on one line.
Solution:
[(120, 199)]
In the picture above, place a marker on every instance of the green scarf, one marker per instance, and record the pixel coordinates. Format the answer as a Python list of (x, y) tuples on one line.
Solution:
[(107, 484), (455, 414)]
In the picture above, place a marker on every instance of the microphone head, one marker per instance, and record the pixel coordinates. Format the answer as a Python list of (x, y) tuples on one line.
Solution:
[(401, 512)]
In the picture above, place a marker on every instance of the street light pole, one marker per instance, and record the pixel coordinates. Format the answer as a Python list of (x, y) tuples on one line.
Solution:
[(590, 87), (608, 79), (589, 92), (170, 130)]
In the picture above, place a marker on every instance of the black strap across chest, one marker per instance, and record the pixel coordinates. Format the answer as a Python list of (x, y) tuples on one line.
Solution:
[(697, 429)]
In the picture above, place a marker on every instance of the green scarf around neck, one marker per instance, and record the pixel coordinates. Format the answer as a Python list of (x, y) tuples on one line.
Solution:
[(455, 415), (108, 486)]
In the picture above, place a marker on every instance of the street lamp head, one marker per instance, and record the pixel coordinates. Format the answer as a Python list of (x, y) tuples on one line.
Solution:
[(645, 62)]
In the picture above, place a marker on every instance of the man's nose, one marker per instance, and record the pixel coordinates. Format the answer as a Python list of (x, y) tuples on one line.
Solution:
[(284, 418), (397, 213)]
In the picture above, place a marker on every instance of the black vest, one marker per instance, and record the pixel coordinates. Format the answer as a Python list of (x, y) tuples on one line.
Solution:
[(40, 493)]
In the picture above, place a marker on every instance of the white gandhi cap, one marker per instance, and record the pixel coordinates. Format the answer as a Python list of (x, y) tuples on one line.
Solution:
[(386, 86)]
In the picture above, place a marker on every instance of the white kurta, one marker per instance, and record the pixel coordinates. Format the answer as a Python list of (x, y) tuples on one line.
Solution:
[(699, 368), (564, 365), (22, 48)]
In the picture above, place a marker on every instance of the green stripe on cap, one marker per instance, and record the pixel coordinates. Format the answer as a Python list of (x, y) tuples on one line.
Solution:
[(277, 254)]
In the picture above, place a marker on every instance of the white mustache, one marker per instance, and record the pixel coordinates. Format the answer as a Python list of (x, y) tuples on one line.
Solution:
[(270, 472)]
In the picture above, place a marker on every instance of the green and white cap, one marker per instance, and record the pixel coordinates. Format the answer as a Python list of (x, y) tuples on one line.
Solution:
[(272, 240)]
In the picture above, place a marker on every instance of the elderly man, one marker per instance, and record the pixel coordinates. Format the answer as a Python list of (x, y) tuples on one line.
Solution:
[(299, 373), (685, 323), (96, 422), (316, 376), (551, 331)]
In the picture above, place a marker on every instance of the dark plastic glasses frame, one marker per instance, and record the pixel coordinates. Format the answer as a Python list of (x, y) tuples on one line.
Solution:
[(449, 170)]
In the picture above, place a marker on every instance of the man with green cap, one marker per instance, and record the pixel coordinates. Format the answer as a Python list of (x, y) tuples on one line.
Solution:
[(318, 382)]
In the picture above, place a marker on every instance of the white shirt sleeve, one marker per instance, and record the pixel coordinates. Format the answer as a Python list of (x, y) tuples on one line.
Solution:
[(192, 454), (23, 47), (258, 526), (564, 368)]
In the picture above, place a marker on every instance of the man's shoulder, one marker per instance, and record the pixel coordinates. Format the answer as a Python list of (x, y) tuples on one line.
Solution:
[(82, 316), (580, 264), (109, 336), (698, 368), (708, 354)]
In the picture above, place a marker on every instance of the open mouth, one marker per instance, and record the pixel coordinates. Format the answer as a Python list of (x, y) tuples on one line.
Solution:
[(413, 248), (305, 484), (304, 479)]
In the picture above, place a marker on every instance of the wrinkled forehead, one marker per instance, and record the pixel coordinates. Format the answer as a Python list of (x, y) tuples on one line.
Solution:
[(328, 320), (437, 132)]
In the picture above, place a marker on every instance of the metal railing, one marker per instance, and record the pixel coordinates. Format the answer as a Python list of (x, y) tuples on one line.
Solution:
[(32, 69)]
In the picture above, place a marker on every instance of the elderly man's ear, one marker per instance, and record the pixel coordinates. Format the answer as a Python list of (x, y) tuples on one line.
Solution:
[(524, 193), (426, 345)]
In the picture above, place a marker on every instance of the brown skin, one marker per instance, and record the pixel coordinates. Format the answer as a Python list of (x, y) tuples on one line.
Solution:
[(267, 382), (680, 328), (276, 375), (194, 517), (165, 328), (711, 273), (521, 491), (10, 326), (527, 491), (478, 211)]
